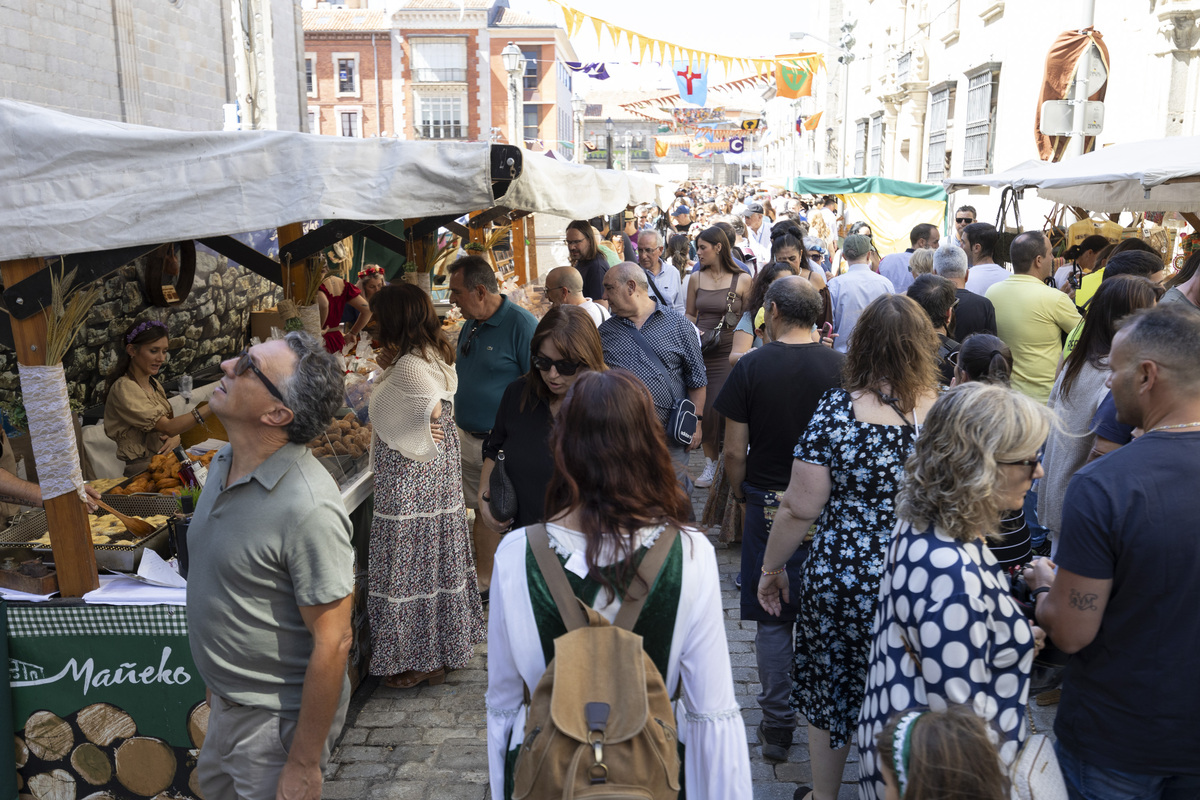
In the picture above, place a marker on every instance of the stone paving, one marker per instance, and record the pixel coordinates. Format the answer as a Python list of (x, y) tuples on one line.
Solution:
[(430, 743)]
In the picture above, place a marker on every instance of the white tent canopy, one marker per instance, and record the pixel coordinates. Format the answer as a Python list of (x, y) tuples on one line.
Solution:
[(73, 184), (1154, 175)]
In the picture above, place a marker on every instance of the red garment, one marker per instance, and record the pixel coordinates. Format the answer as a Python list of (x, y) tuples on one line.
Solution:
[(334, 340)]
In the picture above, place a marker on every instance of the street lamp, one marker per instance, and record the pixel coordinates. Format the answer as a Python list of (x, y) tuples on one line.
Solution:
[(608, 129), (579, 107), (514, 65)]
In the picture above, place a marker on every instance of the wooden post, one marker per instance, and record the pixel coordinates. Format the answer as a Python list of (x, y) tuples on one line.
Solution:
[(1189, 217), (295, 278), (531, 266), (66, 515), (517, 236)]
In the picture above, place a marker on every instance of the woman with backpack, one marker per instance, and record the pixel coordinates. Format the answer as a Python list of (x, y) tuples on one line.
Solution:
[(615, 543)]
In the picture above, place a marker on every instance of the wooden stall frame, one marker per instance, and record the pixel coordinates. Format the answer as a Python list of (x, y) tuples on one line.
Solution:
[(66, 515)]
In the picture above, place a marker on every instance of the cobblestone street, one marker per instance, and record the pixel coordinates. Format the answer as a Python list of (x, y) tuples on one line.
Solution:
[(430, 743)]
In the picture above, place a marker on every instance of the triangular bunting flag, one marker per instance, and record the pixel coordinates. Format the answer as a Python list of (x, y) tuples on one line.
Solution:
[(576, 22), (813, 121), (599, 23), (642, 45), (660, 148), (615, 32)]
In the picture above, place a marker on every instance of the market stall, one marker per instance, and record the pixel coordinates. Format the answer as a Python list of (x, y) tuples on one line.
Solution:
[(106, 699), (892, 208)]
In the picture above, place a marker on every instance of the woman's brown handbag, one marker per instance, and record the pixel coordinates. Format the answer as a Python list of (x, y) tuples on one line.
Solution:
[(711, 340)]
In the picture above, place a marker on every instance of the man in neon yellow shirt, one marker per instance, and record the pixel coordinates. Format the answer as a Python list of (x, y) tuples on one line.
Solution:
[(1031, 316)]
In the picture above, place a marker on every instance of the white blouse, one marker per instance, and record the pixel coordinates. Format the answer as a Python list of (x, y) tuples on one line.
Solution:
[(717, 761)]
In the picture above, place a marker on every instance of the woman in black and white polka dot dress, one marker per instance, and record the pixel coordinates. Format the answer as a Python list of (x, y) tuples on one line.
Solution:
[(947, 630)]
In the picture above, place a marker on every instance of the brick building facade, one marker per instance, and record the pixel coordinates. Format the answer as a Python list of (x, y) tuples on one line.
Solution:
[(348, 72)]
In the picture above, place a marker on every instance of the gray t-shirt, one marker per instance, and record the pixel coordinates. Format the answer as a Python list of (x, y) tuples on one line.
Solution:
[(276, 540), (1173, 295)]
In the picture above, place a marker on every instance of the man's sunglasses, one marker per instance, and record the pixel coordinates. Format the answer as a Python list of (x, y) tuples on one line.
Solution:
[(244, 363), (543, 364), (964, 220)]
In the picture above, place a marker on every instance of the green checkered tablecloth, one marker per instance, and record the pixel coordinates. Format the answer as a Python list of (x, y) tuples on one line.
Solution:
[(36, 620)]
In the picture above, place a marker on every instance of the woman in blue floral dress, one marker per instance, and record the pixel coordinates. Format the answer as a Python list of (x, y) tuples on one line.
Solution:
[(848, 467)]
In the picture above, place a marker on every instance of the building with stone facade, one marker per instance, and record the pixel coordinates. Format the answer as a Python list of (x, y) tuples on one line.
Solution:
[(950, 87), (166, 63)]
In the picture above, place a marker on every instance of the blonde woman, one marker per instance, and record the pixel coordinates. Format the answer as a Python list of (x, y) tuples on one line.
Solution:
[(947, 630)]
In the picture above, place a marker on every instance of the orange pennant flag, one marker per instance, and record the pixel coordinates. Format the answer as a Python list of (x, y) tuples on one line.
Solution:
[(660, 148), (792, 82), (812, 122)]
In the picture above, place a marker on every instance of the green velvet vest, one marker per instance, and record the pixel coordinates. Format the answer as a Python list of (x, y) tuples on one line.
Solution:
[(656, 623)]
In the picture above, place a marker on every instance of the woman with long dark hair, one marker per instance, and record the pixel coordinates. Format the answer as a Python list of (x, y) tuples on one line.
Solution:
[(719, 285), (137, 414), (1081, 386), (612, 496), (848, 468), (565, 345), (426, 617)]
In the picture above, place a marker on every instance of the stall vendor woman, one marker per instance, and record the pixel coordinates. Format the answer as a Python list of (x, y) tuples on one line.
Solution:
[(137, 414)]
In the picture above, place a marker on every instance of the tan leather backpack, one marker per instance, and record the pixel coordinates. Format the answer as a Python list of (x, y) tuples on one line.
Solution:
[(600, 722)]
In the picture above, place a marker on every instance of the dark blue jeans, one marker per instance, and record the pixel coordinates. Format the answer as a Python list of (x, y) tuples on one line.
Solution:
[(1087, 781), (1037, 534)]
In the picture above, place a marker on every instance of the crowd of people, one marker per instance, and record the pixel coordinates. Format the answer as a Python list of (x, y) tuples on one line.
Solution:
[(954, 483)]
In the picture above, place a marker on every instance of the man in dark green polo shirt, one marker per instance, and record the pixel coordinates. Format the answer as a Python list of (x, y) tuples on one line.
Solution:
[(493, 351)]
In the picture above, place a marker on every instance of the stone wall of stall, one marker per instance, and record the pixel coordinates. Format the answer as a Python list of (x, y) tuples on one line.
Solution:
[(211, 324)]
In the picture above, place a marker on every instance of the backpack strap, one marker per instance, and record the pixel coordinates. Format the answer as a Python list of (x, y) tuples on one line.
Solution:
[(556, 578), (639, 590)]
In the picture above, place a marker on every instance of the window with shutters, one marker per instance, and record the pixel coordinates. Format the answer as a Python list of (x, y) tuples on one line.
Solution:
[(981, 120), (345, 74), (440, 117), (439, 60), (530, 124), (860, 147), (875, 152), (939, 122)]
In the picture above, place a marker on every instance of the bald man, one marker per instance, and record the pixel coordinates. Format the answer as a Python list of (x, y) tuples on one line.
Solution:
[(564, 286)]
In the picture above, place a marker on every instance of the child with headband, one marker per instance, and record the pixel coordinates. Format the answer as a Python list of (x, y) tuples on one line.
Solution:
[(928, 755)]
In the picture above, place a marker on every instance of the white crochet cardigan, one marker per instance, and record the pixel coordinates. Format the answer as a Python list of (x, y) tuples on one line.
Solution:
[(402, 399)]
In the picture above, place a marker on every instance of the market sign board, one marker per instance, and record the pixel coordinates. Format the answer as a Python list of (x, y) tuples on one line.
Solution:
[(106, 699)]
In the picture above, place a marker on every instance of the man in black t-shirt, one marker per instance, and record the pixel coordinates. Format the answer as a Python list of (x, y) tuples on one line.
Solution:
[(1126, 595), (974, 313), (767, 400)]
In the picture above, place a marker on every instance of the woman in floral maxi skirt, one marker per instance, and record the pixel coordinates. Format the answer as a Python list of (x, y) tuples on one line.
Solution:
[(425, 612)]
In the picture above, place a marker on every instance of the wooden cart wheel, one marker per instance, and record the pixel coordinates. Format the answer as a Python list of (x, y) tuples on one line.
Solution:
[(165, 261)]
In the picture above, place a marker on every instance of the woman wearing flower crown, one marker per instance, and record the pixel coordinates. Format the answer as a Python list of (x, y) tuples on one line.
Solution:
[(137, 414)]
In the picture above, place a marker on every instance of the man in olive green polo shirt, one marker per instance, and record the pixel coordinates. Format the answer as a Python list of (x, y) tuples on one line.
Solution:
[(270, 578), (1032, 317), (493, 351)]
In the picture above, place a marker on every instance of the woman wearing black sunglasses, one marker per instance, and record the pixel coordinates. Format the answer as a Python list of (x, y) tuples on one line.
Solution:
[(565, 344)]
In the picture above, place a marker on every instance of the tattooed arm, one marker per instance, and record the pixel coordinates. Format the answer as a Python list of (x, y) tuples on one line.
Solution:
[(1071, 611)]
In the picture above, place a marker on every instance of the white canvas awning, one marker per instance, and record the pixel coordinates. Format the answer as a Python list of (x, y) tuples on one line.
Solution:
[(1153, 175), (73, 184)]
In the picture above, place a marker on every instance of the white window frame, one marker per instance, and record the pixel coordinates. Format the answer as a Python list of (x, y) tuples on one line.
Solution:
[(860, 146), (337, 78), (875, 145), (424, 96), (427, 75), (337, 118), (314, 120), (311, 58), (940, 101), (531, 63), (983, 86)]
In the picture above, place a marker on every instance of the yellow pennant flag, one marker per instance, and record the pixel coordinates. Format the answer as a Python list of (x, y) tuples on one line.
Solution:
[(599, 23), (568, 18), (812, 122), (576, 22), (616, 34), (642, 44), (660, 148), (671, 47)]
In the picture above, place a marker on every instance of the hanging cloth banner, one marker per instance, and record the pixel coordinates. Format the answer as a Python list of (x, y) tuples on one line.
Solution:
[(737, 144), (800, 125), (694, 116), (794, 75), (1061, 64), (751, 124), (595, 70), (660, 148), (813, 121), (692, 79)]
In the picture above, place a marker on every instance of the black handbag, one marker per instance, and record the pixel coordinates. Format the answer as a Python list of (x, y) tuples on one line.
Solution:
[(681, 424), (711, 340), (503, 501)]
